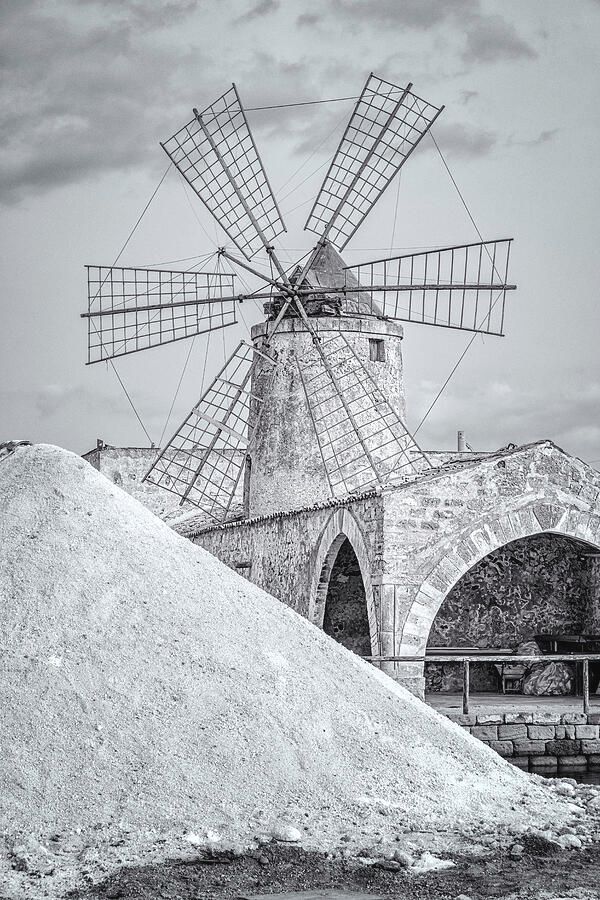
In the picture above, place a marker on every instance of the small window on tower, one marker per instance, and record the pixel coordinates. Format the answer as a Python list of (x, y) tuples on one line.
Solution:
[(377, 350)]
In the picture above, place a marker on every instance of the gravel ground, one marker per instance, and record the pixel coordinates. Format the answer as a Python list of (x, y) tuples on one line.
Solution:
[(273, 869)]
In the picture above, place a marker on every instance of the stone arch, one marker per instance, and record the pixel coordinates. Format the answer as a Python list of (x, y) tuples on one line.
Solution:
[(341, 526), (473, 544)]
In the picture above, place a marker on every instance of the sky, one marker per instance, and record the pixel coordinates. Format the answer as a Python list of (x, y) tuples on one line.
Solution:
[(90, 88)]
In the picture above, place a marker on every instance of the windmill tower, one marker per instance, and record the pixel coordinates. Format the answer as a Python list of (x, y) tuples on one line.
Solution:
[(288, 468), (312, 406)]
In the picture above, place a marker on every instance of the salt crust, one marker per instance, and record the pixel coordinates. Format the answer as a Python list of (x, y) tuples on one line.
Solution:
[(144, 685)]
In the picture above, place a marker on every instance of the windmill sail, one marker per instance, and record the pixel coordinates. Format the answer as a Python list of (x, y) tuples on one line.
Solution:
[(204, 461), (217, 156), (134, 309), (460, 287), (362, 439), (385, 127)]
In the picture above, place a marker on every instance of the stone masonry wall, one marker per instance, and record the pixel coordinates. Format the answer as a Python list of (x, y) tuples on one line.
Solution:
[(415, 541), (438, 528), (539, 740), (285, 554)]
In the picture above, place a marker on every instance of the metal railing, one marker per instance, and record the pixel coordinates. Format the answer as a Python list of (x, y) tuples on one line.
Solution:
[(467, 659)]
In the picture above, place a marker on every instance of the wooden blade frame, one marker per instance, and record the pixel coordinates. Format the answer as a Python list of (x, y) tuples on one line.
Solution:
[(134, 309), (362, 439), (386, 125), (203, 463), (462, 287), (217, 156)]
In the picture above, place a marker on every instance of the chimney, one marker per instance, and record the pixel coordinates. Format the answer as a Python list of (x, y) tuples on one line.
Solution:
[(461, 441)]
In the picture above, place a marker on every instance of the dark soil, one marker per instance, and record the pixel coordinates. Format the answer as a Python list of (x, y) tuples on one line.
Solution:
[(276, 868)]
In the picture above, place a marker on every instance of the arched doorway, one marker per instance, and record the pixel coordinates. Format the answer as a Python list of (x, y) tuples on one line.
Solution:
[(545, 583), (345, 615)]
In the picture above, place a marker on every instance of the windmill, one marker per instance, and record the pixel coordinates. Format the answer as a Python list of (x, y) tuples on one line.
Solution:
[(361, 437)]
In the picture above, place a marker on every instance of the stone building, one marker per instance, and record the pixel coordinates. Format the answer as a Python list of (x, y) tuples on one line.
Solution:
[(482, 550)]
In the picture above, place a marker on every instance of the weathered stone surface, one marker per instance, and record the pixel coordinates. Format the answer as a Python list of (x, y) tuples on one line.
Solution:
[(572, 762), (586, 731), (485, 732), (564, 731), (546, 718), (518, 718), (574, 719), (501, 596), (541, 732), (530, 748), (487, 719), (563, 748), (462, 718), (512, 732), (594, 718), (504, 748), (591, 746), (544, 762)]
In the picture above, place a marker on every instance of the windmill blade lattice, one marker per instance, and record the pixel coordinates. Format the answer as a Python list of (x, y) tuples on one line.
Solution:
[(204, 461), (133, 309), (361, 437), (461, 287), (385, 127), (217, 156)]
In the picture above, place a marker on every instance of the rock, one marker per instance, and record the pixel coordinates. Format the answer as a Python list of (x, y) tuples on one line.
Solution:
[(404, 858), (570, 842), (430, 863), (390, 865), (540, 844), (286, 833), (593, 805), (517, 851)]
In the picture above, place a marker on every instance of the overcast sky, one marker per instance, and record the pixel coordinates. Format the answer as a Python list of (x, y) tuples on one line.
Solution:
[(90, 87)]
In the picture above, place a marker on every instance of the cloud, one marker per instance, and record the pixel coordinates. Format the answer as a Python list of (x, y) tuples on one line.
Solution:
[(496, 413), (308, 20), (259, 11), (467, 96), (62, 400), (418, 14), (463, 141), (82, 98), (491, 39), (544, 137), (146, 14)]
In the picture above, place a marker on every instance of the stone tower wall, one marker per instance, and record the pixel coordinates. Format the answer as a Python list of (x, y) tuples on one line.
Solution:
[(286, 469)]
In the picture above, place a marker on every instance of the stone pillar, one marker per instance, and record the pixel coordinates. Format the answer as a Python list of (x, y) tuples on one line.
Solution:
[(592, 623), (286, 469)]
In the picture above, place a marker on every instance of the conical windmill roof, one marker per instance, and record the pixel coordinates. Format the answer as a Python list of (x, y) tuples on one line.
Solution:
[(328, 270)]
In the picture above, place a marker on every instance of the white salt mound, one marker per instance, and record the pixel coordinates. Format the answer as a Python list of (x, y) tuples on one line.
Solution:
[(143, 681)]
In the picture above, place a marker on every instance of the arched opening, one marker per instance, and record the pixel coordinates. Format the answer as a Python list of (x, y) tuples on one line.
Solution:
[(545, 584), (345, 615)]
